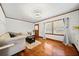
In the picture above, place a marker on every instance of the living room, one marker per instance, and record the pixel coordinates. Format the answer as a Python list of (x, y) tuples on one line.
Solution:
[(49, 29)]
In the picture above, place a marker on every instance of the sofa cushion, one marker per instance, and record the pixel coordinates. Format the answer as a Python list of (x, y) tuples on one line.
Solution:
[(4, 36), (12, 34)]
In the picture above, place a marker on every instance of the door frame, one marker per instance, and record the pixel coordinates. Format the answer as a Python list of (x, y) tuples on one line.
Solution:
[(36, 30)]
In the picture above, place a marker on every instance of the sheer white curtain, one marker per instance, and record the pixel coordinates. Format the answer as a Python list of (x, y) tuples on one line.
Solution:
[(67, 35)]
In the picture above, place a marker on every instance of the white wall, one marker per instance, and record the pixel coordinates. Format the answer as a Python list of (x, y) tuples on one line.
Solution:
[(2, 22), (74, 20), (13, 25)]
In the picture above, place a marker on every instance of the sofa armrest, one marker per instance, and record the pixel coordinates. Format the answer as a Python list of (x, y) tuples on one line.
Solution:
[(6, 46), (11, 40)]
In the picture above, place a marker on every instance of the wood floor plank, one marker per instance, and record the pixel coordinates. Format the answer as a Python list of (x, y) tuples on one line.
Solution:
[(49, 48)]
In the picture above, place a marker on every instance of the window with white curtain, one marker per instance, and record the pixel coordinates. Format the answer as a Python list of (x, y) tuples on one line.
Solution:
[(54, 27), (48, 27), (58, 27)]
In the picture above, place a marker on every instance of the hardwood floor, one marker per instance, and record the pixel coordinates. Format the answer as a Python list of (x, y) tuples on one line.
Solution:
[(49, 48)]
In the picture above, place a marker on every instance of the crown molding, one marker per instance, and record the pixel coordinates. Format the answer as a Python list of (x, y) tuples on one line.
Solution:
[(40, 20), (58, 15), (11, 17)]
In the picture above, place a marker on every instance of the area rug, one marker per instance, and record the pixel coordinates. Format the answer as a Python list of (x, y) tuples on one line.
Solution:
[(32, 45)]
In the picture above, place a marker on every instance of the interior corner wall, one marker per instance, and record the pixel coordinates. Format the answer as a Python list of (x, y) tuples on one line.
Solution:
[(2, 22), (13, 25), (74, 20)]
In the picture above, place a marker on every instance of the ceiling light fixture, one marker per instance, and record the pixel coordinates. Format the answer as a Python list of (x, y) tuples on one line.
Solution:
[(37, 13)]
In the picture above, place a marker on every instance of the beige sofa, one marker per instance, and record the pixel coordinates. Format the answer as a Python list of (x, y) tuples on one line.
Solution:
[(11, 46)]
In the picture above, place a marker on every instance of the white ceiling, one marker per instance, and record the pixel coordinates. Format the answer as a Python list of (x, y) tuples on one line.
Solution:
[(28, 11)]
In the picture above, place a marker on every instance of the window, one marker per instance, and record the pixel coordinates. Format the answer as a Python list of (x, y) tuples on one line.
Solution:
[(55, 27), (48, 28), (58, 27)]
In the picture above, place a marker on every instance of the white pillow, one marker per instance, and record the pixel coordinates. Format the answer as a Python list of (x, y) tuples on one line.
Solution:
[(4, 36)]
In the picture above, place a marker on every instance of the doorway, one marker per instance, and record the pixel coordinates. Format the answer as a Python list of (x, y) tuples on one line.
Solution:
[(36, 28)]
